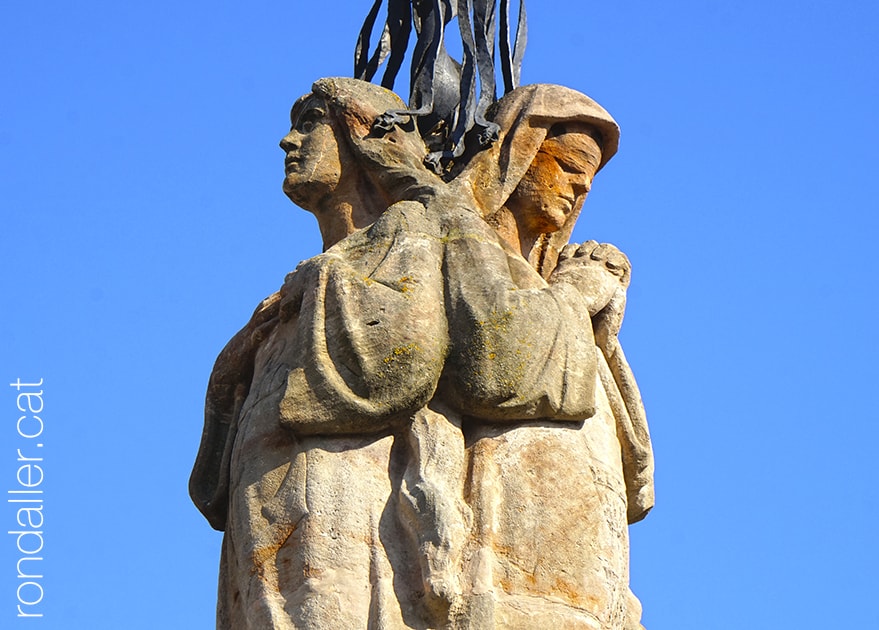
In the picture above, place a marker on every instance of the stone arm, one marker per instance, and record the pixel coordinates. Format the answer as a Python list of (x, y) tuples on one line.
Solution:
[(366, 325), (228, 387), (371, 328), (607, 271), (520, 349)]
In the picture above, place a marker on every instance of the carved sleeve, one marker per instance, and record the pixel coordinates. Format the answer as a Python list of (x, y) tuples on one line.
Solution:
[(520, 350), (373, 329)]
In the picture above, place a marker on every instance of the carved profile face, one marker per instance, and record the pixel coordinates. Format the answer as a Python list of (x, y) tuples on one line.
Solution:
[(558, 179), (312, 165)]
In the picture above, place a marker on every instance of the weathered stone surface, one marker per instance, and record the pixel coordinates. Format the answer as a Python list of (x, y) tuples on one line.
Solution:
[(421, 429)]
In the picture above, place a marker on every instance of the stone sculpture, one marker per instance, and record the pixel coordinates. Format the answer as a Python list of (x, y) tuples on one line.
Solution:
[(432, 424)]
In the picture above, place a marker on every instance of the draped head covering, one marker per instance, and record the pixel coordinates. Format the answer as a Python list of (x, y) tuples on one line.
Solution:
[(525, 116)]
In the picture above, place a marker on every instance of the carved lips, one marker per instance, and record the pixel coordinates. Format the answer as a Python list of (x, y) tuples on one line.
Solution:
[(291, 163)]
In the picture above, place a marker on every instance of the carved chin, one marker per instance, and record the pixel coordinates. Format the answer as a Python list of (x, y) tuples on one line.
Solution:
[(306, 194), (550, 218), (290, 185), (296, 191), (296, 185)]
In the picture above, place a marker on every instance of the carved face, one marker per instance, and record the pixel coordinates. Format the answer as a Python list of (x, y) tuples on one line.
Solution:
[(312, 163), (557, 180)]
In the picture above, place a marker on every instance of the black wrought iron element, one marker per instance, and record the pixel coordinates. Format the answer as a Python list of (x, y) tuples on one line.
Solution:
[(448, 99)]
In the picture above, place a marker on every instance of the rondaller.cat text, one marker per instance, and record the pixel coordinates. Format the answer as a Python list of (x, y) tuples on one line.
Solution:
[(27, 497)]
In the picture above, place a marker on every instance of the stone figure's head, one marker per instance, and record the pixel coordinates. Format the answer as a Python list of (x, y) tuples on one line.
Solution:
[(558, 178), (553, 142), (339, 168)]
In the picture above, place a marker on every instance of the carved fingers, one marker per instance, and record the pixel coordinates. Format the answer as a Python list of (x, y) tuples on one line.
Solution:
[(602, 254), (599, 270), (391, 119), (292, 291), (265, 318)]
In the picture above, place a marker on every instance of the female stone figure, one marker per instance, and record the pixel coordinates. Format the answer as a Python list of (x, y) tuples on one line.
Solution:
[(552, 500), (531, 187)]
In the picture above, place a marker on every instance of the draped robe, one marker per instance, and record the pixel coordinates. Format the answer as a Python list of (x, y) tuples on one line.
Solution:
[(413, 432)]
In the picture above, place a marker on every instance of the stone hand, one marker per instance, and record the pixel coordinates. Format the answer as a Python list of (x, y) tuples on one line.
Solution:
[(390, 119), (291, 293), (600, 271), (265, 319), (608, 320)]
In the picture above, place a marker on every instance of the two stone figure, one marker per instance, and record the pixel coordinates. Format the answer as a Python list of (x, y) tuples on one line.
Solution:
[(432, 423)]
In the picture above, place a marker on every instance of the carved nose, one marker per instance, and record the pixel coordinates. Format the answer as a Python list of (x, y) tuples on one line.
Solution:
[(290, 142), (580, 188)]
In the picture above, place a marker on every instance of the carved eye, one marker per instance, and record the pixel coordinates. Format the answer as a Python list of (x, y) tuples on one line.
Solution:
[(567, 167), (309, 120)]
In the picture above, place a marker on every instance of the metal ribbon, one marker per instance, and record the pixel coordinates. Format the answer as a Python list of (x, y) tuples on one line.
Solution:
[(445, 97)]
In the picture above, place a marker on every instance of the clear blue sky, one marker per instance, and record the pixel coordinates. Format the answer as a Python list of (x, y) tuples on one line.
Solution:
[(143, 219)]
